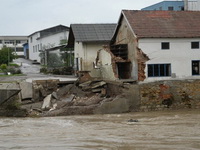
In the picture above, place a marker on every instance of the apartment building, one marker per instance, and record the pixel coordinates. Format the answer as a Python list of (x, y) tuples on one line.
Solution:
[(15, 43)]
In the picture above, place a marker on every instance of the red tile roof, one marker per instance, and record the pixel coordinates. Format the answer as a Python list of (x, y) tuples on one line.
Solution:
[(164, 24)]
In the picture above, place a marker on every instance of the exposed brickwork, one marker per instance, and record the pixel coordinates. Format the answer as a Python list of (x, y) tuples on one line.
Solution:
[(170, 95)]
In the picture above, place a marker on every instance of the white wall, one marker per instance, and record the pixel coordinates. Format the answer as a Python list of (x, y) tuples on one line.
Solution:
[(33, 53), (180, 55), (44, 43), (88, 53)]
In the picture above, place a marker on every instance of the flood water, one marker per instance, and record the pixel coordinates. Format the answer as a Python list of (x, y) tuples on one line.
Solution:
[(175, 130)]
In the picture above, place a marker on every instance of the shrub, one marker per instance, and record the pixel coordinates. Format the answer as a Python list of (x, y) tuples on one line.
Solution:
[(43, 70), (6, 55), (3, 67)]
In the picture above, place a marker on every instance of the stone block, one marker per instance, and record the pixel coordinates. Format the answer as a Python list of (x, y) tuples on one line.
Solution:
[(26, 90)]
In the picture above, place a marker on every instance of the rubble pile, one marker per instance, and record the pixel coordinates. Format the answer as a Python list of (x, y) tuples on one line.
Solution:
[(58, 98), (50, 99)]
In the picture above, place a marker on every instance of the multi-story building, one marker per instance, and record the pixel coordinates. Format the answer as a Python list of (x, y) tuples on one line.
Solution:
[(15, 43), (178, 5), (46, 39)]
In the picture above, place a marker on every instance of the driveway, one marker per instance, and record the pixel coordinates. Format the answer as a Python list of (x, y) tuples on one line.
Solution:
[(32, 72)]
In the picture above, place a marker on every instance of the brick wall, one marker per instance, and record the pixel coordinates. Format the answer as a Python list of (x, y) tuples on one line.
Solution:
[(169, 95)]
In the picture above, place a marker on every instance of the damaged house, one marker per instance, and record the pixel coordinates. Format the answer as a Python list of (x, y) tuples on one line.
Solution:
[(86, 40), (153, 45)]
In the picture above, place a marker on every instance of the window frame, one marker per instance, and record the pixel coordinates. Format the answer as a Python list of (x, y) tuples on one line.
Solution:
[(194, 46), (165, 47), (156, 70), (192, 67)]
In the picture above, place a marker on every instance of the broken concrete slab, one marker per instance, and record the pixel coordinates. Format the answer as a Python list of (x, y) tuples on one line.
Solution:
[(47, 102), (98, 84), (26, 90), (54, 95), (8, 90), (6, 94), (97, 90), (85, 84), (64, 90), (32, 106), (68, 98)]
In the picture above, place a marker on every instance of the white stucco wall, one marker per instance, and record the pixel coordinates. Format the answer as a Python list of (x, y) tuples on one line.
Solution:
[(44, 43), (88, 53), (32, 40), (180, 55), (105, 65)]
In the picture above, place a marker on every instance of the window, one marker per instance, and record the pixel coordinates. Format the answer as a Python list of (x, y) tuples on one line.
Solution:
[(0, 41), (160, 8), (18, 42), (159, 70), (9, 42), (195, 67), (19, 49), (195, 45), (33, 49), (170, 8), (165, 45)]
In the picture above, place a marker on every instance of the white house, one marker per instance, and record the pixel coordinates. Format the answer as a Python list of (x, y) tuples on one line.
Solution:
[(86, 40), (154, 45), (45, 39), (15, 43)]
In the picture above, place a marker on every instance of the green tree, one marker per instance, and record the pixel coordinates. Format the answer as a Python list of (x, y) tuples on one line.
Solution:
[(6, 55)]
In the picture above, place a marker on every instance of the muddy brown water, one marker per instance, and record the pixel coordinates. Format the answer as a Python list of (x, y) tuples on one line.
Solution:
[(169, 130)]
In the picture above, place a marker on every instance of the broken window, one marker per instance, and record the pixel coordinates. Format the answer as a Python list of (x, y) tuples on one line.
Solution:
[(194, 45), (195, 67), (159, 70), (165, 45), (120, 50), (124, 70)]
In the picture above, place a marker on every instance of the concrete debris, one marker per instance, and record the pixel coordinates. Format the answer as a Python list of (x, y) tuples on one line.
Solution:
[(47, 102), (89, 97), (7, 91), (64, 90), (98, 84), (26, 90), (54, 95), (54, 107), (68, 98)]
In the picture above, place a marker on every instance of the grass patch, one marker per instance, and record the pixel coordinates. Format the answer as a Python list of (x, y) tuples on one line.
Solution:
[(14, 65)]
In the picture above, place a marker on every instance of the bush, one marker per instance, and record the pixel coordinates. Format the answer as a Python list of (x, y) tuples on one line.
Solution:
[(6, 55), (3, 67), (43, 70)]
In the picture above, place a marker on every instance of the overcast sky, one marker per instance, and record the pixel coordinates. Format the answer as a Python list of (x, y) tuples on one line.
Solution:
[(23, 17)]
